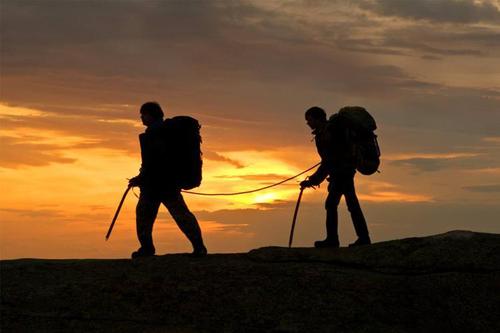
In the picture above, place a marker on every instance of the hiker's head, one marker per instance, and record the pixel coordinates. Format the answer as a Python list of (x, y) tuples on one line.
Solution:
[(151, 112), (315, 117)]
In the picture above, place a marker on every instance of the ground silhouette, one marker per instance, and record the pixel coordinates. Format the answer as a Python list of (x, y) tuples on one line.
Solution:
[(447, 282)]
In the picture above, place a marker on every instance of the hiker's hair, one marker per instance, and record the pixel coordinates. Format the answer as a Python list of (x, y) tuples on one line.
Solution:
[(153, 109), (316, 112)]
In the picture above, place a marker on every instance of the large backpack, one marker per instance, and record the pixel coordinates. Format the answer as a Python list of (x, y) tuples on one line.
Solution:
[(360, 126), (183, 133)]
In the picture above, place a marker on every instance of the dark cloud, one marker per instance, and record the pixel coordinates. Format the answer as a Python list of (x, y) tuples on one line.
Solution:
[(276, 204), (423, 164), (453, 11), (257, 177), (405, 46), (427, 41), (480, 36), (444, 109), (421, 39), (195, 51), (214, 156), (427, 49), (428, 164), (370, 46), (430, 57), (394, 76), (161, 39), (494, 188), (56, 25)]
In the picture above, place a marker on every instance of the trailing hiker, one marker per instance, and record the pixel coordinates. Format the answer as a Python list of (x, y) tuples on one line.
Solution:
[(171, 161), (345, 143)]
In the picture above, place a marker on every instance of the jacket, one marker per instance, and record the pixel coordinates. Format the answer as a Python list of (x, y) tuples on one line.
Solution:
[(336, 152), (156, 170)]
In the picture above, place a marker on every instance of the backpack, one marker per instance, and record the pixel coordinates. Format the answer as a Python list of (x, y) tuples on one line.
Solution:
[(183, 135), (360, 125)]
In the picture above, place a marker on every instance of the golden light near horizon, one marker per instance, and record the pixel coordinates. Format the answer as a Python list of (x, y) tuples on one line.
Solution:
[(261, 169), (93, 174), (101, 170)]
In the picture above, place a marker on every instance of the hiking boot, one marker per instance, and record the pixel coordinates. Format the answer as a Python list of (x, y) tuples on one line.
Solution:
[(327, 243), (199, 251), (143, 253), (361, 241)]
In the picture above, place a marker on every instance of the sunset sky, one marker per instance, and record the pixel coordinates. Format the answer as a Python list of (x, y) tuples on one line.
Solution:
[(74, 74)]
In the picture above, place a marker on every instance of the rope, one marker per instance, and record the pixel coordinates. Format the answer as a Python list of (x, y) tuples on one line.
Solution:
[(245, 192), (255, 190)]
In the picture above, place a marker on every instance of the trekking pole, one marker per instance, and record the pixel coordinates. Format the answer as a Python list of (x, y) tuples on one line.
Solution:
[(117, 212), (295, 217)]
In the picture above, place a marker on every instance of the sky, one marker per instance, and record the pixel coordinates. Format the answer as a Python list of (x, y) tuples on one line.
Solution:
[(73, 75)]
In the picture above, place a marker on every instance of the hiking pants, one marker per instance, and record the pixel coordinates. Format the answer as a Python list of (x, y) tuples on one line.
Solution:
[(343, 185), (147, 209)]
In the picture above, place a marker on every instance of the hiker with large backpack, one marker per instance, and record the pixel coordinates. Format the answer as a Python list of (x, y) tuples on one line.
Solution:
[(345, 143), (171, 161)]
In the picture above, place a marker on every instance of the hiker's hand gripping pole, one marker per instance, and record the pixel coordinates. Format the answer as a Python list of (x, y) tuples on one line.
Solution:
[(117, 212), (295, 217)]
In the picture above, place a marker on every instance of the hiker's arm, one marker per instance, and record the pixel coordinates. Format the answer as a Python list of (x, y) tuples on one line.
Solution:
[(317, 177), (135, 181)]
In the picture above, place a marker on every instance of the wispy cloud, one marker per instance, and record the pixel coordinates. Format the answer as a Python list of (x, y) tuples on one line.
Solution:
[(40, 214), (492, 139), (214, 156), (465, 11), (228, 229), (257, 177), (17, 153), (444, 156), (50, 132), (491, 171), (436, 162), (394, 196), (490, 188), (383, 191)]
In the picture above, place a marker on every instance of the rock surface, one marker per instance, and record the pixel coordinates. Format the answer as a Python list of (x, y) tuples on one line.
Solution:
[(446, 283)]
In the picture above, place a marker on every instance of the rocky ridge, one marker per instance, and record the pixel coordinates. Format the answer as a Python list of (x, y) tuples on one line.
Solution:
[(447, 282)]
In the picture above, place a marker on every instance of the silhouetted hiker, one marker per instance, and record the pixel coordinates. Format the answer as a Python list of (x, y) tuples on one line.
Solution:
[(337, 162), (159, 183)]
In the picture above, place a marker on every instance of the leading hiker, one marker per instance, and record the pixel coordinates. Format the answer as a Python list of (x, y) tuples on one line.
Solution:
[(338, 164), (159, 183)]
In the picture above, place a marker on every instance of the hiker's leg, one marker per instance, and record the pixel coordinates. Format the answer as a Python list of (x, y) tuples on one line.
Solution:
[(146, 211), (331, 205), (354, 208), (332, 224), (184, 218)]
